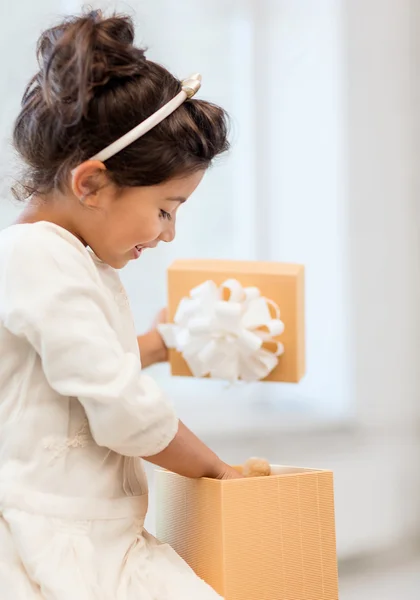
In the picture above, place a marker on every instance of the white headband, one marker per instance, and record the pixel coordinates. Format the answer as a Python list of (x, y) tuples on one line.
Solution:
[(190, 87)]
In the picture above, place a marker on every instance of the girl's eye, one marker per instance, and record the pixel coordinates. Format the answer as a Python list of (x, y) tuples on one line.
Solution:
[(165, 215)]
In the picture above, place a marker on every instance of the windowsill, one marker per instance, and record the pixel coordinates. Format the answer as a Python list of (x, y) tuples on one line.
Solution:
[(215, 410), (250, 426)]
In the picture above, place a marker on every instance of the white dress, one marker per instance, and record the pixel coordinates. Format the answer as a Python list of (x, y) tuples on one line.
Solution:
[(76, 412)]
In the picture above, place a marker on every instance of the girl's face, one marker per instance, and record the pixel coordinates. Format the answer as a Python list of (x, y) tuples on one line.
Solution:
[(119, 224)]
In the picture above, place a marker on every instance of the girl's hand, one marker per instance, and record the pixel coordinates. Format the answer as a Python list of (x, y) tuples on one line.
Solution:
[(229, 472), (151, 345)]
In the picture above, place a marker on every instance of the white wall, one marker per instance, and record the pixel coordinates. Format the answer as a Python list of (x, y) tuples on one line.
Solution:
[(20, 24)]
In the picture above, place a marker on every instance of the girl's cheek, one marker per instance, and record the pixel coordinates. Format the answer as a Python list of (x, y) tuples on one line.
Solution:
[(147, 234), (154, 228)]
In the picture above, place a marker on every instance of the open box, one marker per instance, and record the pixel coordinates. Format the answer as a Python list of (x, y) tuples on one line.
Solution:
[(262, 538)]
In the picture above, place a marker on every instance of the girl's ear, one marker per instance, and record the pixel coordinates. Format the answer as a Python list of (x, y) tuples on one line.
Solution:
[(87, 180)]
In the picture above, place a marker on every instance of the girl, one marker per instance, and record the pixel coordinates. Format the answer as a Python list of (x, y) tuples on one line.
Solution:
[(76, 412)]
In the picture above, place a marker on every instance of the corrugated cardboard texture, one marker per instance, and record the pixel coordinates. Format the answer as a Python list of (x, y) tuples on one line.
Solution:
[(267, 538), (282, 283)]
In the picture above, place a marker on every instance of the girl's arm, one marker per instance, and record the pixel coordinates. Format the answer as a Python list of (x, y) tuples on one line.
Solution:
[(52, 299), (151, 345), (152, 349), (188, 456)]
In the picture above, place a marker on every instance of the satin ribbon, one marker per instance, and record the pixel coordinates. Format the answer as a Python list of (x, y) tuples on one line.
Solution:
[(226, 332)]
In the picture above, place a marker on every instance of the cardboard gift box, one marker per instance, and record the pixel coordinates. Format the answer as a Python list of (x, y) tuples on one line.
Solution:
[(262, 538), (281, 283)]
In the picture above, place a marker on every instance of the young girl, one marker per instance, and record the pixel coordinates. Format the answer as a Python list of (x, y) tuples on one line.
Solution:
[(76, 411)]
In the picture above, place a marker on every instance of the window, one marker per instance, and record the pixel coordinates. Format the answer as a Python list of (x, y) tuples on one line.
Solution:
[(276, 67)]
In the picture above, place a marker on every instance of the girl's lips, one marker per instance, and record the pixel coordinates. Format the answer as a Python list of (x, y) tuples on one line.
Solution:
[(137, 251)]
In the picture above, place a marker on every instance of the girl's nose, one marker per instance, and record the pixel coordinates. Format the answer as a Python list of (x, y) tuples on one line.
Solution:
[(168, 234)]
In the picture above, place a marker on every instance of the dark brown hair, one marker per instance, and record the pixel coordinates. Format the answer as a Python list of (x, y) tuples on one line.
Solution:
[(93, 86)]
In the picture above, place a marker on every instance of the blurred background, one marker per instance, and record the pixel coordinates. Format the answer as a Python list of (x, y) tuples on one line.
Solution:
[(324, 101)]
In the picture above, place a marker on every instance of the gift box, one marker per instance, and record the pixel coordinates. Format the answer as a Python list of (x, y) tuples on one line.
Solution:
[(260, 299), (259, 538)]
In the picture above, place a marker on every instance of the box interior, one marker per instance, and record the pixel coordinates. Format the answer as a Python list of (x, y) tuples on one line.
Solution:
[(285, 470)]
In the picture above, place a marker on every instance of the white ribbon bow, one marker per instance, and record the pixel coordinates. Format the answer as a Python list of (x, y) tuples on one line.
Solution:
[(228, 339)]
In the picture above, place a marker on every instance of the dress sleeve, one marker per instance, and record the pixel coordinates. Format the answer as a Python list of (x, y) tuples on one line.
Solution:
[(51, 297)]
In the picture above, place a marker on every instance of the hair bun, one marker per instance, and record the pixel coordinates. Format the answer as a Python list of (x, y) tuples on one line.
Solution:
[(82, 55)]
